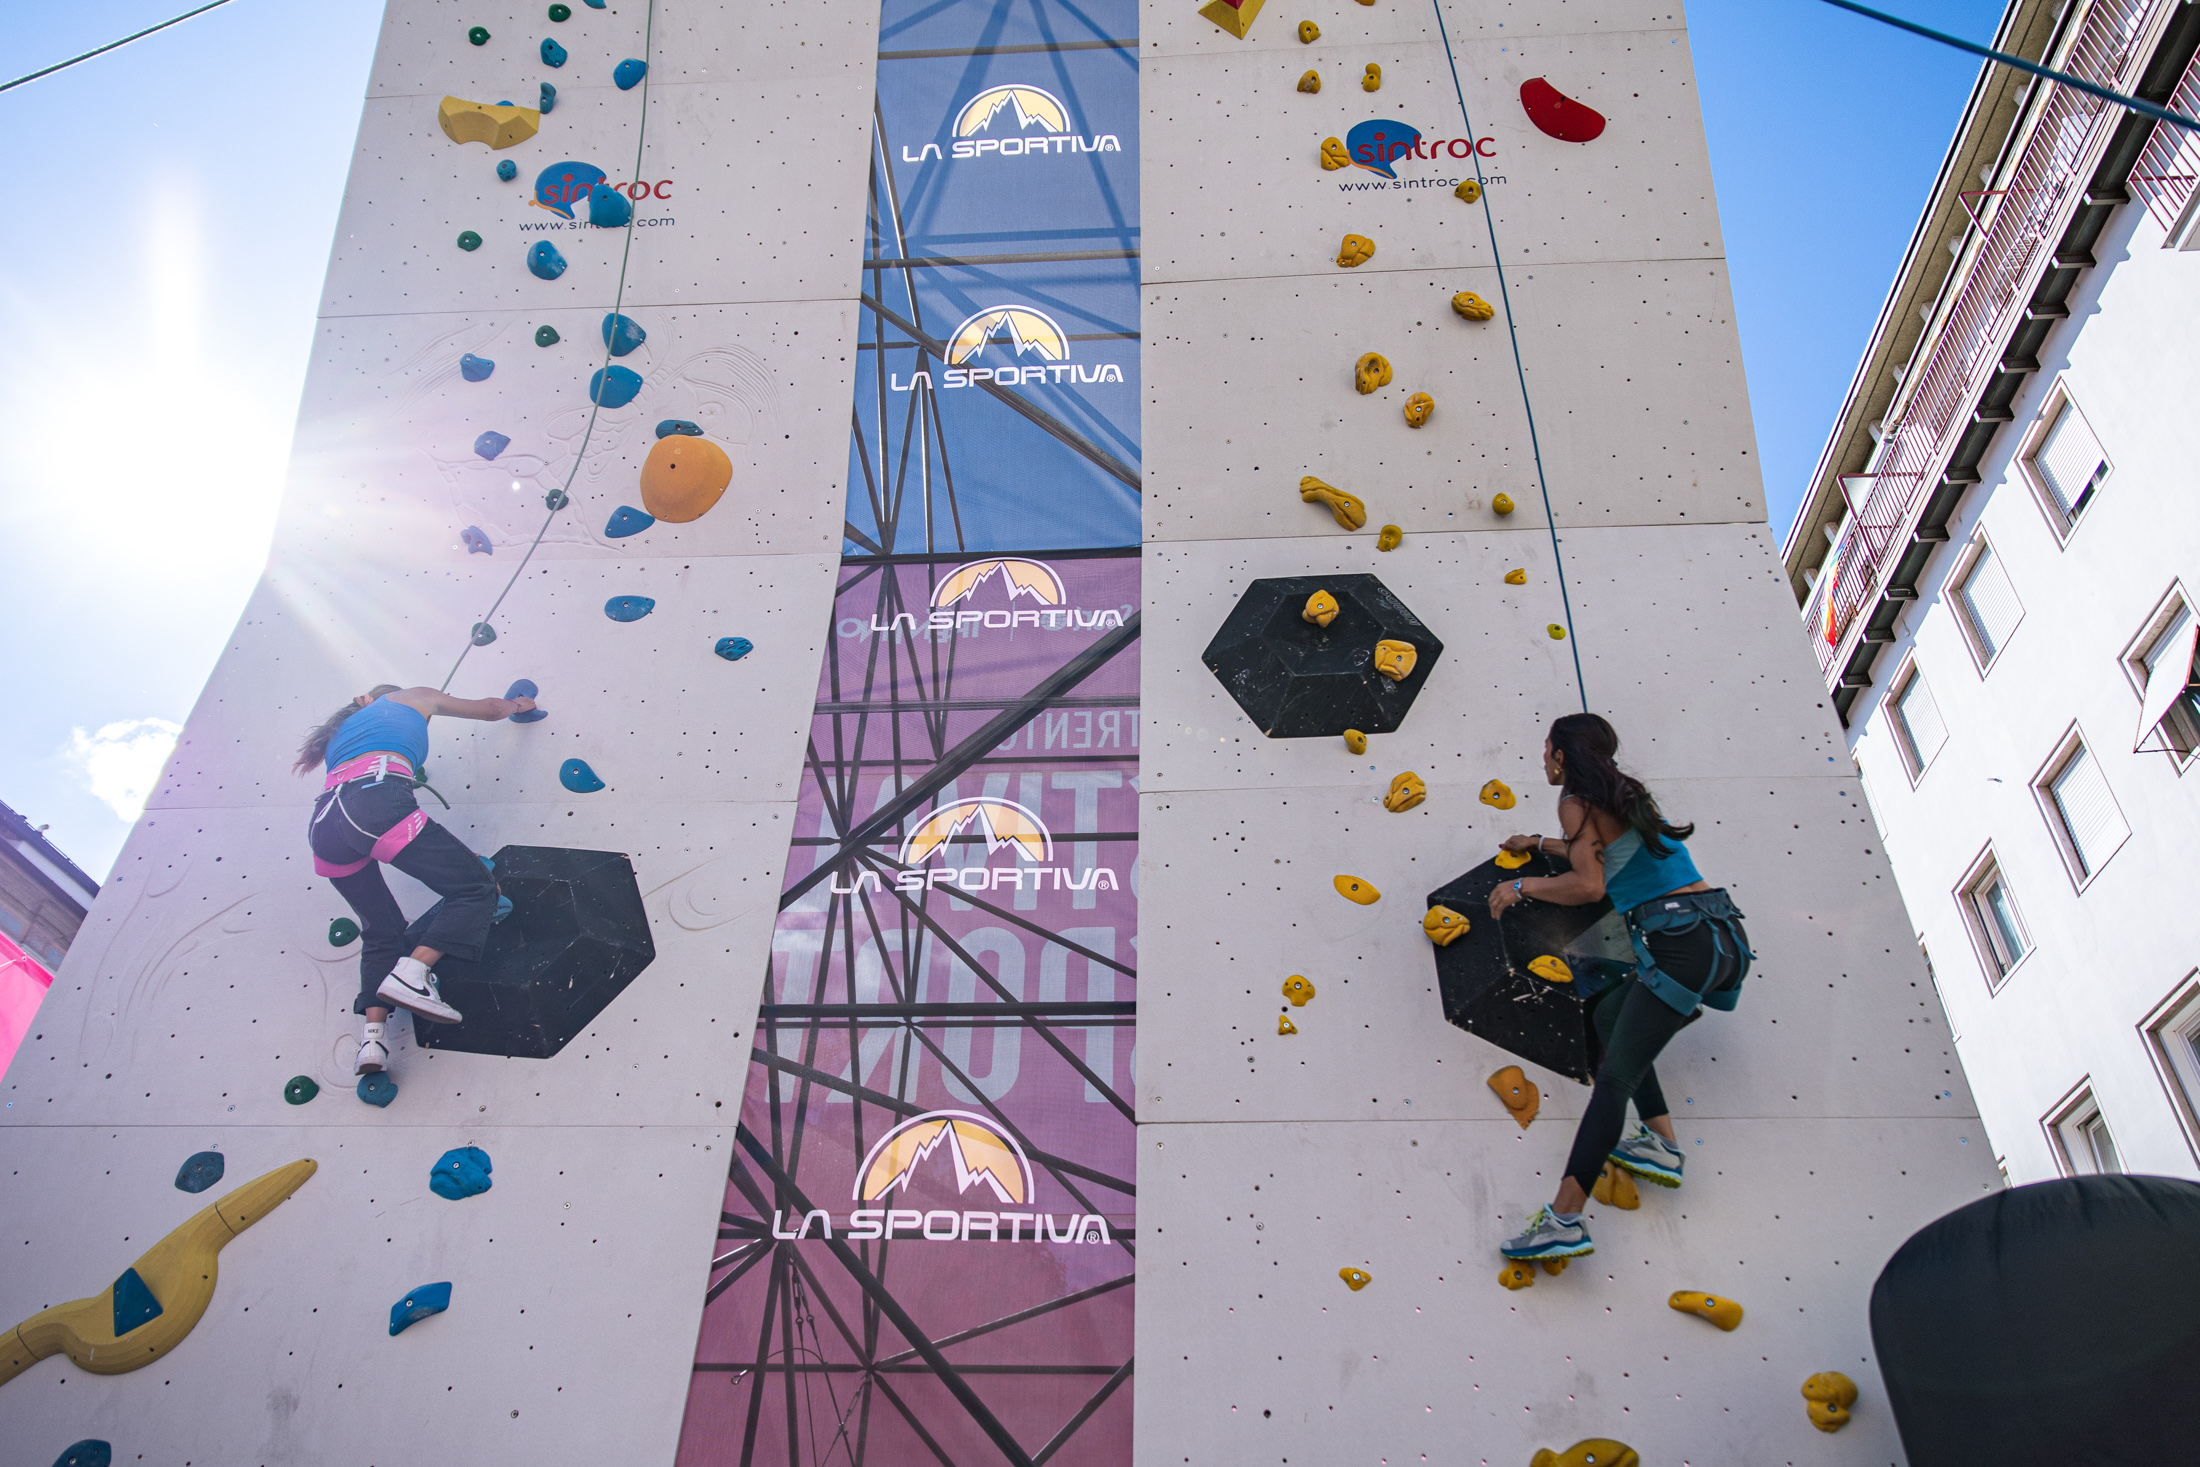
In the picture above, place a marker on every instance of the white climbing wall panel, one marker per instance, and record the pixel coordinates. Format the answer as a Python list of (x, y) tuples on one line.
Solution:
[(204, 978), (1825, 1119)]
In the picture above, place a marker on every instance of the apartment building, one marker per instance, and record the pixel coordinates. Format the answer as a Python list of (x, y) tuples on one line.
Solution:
[(1999, 563)]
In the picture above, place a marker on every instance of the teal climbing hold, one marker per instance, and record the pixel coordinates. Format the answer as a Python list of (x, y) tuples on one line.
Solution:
[(461, 1172), (134, 1303), (553, 54), (377, 1089), (613, 387), (475, 369), (555, 500), (483, 634), (525, 688), (622, 334), (342, 932), (479, 35), (627, 521), (507, 169), (468, 240), (490, 444), (300, 1089), (547, 264), (576, 776), (733, 649), (546, 336), (629, 608), (629, 73), (594, 4), (671, 426), (418, 1305), (200, 1170), (476, 541), (608, 208), (561, 12), (90, 1452), (549, 99)]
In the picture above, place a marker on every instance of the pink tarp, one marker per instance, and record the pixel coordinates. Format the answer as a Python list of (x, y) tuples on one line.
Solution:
[(23, 984)]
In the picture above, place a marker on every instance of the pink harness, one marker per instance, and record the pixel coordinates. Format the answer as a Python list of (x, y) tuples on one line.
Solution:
[(376, 766)]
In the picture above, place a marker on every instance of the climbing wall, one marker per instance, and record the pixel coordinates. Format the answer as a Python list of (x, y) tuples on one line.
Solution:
[(732, 142), (1603, 397)]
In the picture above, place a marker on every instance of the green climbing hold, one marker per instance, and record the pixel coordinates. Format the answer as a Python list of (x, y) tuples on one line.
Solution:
[(468, 240), (483, 634), (561, 12), (342, 932), (546, 336), (377, 1089), (479, 35), (556, 499), (300, 1089)]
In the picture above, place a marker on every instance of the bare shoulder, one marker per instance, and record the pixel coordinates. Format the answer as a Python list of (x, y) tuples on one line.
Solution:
[(426, 702)]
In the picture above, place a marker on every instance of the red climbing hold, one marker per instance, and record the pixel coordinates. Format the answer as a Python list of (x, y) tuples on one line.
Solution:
[(1559, 115)]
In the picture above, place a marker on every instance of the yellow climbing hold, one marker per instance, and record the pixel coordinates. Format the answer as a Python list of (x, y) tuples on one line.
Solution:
[(1418, 407), (1509, 860), (1334, 155), (1558, 633), (1830, 1394), (1370, 372), (1284, 1025), (1355, 1279), (1597, 1451), (1234, 16), (1472, 306), (1615, 1188), (1495, 794), (1468, 190), (1501, 504), (1390, 538), (1372, 79), (1321, 609), (1519, 1094), (1311, 82), (179, 1272), (1309, 33), (683, 477), (1298, 990), (1395, 659), (481, 122), (1555, 1266), (1517, 577), (1355, 741), (1517, 1276), (1550, 969), (1406, 791), (1357, 249), (1717, 1308), (1444, 926), (1349, 512), (1354, 889)]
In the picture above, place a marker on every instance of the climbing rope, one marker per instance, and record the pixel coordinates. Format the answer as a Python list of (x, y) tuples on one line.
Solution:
[(111, 45), (559, 498), (1504, 296)]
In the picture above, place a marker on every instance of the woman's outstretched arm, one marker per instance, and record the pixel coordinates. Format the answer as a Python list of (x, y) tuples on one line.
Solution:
[(427, 702)]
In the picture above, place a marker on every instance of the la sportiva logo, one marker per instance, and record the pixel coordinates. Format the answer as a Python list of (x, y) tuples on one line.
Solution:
[(1016, 345), (1380, 143), (562, 186), (940, 1146), (1014, 121), (1016, 580), (1000, 825)]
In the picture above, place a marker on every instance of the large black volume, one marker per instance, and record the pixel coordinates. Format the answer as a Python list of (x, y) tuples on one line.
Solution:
[(1484, 980), (1296, 680)]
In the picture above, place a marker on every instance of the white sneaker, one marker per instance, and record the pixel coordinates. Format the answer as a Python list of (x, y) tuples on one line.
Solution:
[(411, 986), (374, 1057)]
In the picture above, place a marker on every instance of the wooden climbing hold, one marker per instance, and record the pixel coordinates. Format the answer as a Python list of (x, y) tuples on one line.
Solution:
[(1557, 115), (1444, 926), (1371, 80), (1370, 372), (1406, 791), (500, 125), (299, 1089), (1355, 1279), (1518, 1093), (1309, 33), (1347, 509), (1830, 1394), (683, 476), (1615, 1188), (479, 35), (1356, 889), (468, 240), (1298, 990), (1321, 609), (1334, 155), (1472, 306), (1418, 408), (1355, 741), (1497, 796), (1550, 969), (1311, 82), (1517, 577), (546, 336), (1390, 538), (1356, 250), (1501, 504), (1557, 632), (1469, 191), (1517, 1276), (1595, 1452), (1717, 1308), (1234, 16), (418, 1305), (1284, 1025), (1395, 659), (342, 932)]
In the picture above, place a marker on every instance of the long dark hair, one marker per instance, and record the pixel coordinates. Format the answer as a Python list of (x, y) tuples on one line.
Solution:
[(1585, 745), (315, 748)]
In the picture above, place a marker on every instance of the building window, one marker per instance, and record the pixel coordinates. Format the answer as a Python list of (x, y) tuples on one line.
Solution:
[(2081, 1138), (2066, 463), (2173, 1037), (2163, 664), (1990, 911), (1918, 725), (2088, 826), (1988, 602)]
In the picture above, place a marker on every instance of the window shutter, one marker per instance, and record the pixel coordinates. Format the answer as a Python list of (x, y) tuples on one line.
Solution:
[(1921, 721), (1990, 602), (2069, 461), (2169, 669), (2088, 813)]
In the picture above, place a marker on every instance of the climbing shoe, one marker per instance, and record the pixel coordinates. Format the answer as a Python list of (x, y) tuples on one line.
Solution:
[(1649, 1156), (411, 986), (374, 1057), (1549, 1236)]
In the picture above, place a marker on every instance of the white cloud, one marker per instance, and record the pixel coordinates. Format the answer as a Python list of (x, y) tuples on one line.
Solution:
[(121, 763)]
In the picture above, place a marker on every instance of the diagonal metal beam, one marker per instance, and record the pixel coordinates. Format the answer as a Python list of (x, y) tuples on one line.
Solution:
[(1018, 1317), (1085, 1414)]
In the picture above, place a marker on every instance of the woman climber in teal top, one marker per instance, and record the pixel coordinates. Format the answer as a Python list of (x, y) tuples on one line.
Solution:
[(1690, 953)]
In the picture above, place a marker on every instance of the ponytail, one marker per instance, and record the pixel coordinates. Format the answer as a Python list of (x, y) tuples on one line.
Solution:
[(1585, 745), (315, 748)]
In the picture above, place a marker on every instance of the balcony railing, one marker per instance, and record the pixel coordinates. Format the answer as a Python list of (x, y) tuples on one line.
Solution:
[(2166, 172)]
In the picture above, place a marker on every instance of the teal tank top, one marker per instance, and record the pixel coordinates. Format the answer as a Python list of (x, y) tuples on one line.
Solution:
[(382, 726), (1633, 876)]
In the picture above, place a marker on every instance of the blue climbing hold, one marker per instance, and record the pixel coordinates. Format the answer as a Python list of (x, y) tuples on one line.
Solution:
[(622, 334), (507, 170), (594, 4), (629, 73), (608, 207), (553, 54), (476, 541), (545, 261), (91, 1452), (629, 608), (200, 1170), (134, 1303), (377, 1089), (671, 426), (418, 1305), (463, 1171), (475, 369), (733, 649), (613, 387), (490, 444), (525, 688), (625, 521), (576, 776), (549, 99)]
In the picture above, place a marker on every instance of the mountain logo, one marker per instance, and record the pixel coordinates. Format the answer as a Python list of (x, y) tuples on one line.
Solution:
[(978, 1151), (1031, 578), (1028, 331), (1002, 822), (1031, 107)]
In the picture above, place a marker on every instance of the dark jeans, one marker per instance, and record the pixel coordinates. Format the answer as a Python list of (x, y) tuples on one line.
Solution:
[(348, 819), (1632, 1026)]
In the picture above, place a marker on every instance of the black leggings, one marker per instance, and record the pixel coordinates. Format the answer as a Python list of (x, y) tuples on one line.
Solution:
[(347, 821)]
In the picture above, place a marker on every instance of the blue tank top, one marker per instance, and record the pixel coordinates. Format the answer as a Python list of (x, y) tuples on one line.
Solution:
[(382, 725), (1633, 876)]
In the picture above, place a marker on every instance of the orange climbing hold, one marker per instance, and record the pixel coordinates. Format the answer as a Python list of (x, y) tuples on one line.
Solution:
[(1390, 537), (1357, 249), (1444, 926), (1284, 1025), (1550, 969), (1406, 791), (1311, 82), (1355, 1279), (1517, 577), (1717, 1308), (683, 477), (1472, 306), (1321, 609), (1370, 372), (1519, 1094), (1334, 155), (1517, 1275), (1346, 509), (1418, 408), (1510, 860), (1394, 659), (1355, 741), (1597, 1451), (1494, 793), (1234, 16), (1830, 1394), (1353, 889), (1615, 1188), (1555, 1266), (1298, 990)]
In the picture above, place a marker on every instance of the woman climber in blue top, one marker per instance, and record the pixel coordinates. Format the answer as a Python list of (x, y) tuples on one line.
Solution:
[(1690, 952), (373, 749)]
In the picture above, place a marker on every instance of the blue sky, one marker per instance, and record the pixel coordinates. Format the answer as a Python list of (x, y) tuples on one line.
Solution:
[(174, 203)]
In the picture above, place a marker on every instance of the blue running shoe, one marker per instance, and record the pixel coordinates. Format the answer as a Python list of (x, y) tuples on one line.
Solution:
[(1649, 1156), (1549, 1236)]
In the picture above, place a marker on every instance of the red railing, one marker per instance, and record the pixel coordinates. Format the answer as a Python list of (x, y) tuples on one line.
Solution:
[(2020, 227), (2166, 171)]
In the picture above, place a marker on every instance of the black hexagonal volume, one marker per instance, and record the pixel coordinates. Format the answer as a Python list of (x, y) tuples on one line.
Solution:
[(1296, 680), (576, 936)]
